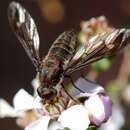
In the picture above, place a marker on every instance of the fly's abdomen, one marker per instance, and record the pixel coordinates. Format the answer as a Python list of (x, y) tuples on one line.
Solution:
[(64, 46)]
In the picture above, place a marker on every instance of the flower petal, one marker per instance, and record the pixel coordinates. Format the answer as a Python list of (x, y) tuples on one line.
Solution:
[(55, 125), (6, 110), (96, 109), (75, 118), (107, 106), (41, 124), (23, 101), (99, 108), (37, 103)]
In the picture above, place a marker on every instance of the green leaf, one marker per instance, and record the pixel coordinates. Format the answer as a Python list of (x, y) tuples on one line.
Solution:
[(92, 127), (102, 65), (66, 128), (80, 44)]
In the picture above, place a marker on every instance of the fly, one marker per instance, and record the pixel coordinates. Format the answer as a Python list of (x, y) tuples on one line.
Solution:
[(63, 57)]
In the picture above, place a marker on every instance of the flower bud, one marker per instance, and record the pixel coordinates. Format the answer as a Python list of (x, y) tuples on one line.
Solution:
[(99, 109)]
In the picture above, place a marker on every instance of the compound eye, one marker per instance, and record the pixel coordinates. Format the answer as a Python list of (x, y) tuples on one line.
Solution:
[(44, 74)]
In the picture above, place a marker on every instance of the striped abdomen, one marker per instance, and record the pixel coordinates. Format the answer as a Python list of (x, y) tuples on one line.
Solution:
[(64, 46)]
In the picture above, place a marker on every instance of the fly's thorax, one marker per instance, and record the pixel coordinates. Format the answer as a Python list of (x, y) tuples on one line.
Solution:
[(51, 71)]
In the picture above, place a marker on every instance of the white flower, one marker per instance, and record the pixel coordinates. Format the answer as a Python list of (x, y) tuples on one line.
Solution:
[(41, 124), (61, 112), (99, 108), (78, 116), (23, 109), (23, 101), (6, 110), (75, 118)]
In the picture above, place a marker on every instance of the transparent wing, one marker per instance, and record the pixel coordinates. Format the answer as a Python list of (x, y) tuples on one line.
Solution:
[(25, 29), (98, 47)]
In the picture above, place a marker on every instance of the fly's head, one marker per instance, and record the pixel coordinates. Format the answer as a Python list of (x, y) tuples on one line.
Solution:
[(47, 93)]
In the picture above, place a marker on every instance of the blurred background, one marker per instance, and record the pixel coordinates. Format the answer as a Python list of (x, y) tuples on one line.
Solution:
[(53, 17)]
